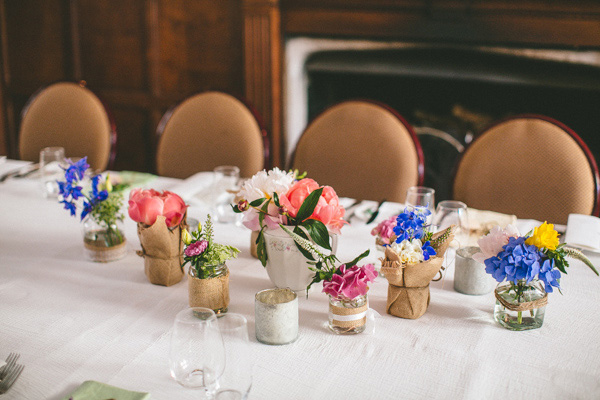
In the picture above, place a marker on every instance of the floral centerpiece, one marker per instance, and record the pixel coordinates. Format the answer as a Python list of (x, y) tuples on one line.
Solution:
[(160, 218), (528, 268), (208, 282), (411, 261), (275, 198), (99, 207), (346, 285)]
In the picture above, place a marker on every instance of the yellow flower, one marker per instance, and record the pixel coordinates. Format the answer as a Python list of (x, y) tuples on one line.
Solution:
[(107, 184), (186, 237), (544, 236), (199, 226)]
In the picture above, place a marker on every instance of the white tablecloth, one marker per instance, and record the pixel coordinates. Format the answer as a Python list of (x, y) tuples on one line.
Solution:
[(73, 320)]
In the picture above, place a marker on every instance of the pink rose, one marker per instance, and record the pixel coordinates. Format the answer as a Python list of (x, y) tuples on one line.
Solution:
[(491, 244), (146, 205), (350, 283), (328, 210)]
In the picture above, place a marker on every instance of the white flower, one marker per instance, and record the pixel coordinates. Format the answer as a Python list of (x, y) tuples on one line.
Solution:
[(491, 244), (264, 184), (409, 251)]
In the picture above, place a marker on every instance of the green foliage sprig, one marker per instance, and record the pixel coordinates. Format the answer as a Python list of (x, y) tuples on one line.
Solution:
[(203, 253)]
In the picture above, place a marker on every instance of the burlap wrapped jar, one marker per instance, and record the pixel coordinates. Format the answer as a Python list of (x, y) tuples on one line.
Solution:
[(408, 290), (162, 249), (210, 292)]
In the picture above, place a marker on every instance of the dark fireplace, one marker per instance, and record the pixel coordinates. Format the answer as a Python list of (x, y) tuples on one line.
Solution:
[(460, 90)]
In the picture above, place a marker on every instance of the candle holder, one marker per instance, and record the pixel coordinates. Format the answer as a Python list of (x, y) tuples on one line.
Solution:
[(276, 316)]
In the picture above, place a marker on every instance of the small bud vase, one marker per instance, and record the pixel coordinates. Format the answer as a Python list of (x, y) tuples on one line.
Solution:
[(103, 244), (348, 317), (520, 306), (210, 289)]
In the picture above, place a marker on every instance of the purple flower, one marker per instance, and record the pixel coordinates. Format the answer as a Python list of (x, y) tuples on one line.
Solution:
[(196, 248), (409, 224), (428, 251)]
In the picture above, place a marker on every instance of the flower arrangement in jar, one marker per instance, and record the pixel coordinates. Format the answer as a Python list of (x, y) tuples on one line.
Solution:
[(411, 261), (208, 279), (273, 199), (528, 267), (100, 210), (160, 218)]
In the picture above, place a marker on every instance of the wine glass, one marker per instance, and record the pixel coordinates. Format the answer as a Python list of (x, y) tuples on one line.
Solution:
[(197, 355), (51, 159), (226, 184), (421, 196), (236, 380), (451, 212)]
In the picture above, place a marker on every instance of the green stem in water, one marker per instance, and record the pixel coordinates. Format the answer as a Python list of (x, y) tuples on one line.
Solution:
[(520, 317)]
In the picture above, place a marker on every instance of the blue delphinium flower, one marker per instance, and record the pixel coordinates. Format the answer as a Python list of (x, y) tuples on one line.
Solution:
[(515, 262), (428, 251), (409, 224), (549, 275)]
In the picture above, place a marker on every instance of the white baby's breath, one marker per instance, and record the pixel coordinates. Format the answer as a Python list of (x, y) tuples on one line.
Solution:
[(264, 184)]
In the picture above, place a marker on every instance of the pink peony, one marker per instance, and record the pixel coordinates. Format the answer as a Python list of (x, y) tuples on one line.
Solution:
[(146, 205), (328, 210), (491, 244), (350, 282), (196, 248), (385, 230)]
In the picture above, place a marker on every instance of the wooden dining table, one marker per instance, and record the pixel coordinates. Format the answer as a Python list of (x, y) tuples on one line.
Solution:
[(73, 320)]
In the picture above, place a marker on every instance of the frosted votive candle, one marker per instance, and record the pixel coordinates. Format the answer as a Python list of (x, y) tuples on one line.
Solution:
[(276, 316)]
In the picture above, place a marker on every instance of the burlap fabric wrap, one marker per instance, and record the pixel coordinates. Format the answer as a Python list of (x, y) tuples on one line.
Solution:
[(162, 250), (344, 316), (211, 293), (408, 290)]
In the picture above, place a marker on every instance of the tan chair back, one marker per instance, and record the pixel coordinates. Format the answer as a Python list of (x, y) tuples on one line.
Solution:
[(529, 166), (68, 115), (363, 149), (208, 130)]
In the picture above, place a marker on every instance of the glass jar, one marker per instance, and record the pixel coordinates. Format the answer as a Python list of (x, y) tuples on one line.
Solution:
[(103, 243), (209, 287), (348, 317), (520, 306)]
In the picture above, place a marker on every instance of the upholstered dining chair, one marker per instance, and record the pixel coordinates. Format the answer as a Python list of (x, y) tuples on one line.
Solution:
[(207, 130), (363, 149), (531, 166), (69, 115)]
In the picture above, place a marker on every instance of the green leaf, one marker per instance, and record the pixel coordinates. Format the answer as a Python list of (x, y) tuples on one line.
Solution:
[(235, 209), (317, 232), (301, 233), (257, 202), (308, 205), (357, 259), (261, 248), (261, 215), (276, 199)]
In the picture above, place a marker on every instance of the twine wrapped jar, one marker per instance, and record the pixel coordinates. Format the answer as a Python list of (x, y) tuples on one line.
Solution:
[(211, 290), (522, 306), (348, 317), (102, 244)]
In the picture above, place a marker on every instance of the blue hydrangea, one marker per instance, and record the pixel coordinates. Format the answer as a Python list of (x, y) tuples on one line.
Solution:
[(549, 275), (516, 261), (410, 223)]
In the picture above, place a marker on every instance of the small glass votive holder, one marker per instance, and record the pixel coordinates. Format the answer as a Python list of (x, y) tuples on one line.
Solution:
[(469, 275), (51, 159), (276, 316)]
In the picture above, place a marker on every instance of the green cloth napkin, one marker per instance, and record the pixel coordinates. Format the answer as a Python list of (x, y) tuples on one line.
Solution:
[(92, 390)]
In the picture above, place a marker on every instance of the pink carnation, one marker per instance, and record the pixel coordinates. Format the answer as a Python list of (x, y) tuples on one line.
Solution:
[(491, 244), (196, 248), (350, 283), (385, 230)]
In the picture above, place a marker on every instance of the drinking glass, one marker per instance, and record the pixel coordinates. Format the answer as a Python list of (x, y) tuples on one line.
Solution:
[(225, 187), (51, 158), (236, 380), (421, 196), (451, 212), (197, 355)]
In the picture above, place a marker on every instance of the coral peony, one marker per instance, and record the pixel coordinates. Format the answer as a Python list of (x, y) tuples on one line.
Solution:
[(146, 205)]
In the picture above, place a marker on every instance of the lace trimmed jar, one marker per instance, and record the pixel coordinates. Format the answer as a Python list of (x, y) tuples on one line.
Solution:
[(103, 244), (348, 316), (210, 289), (520, 306)]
